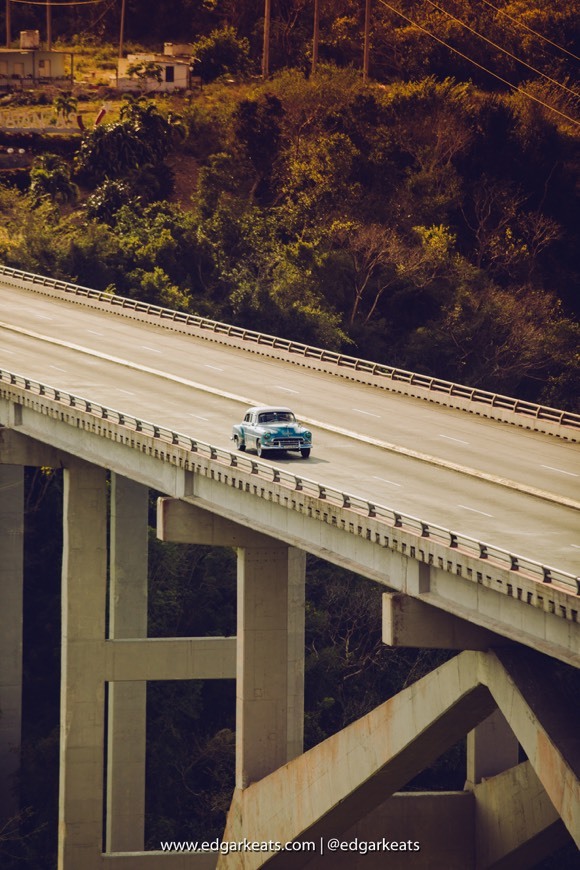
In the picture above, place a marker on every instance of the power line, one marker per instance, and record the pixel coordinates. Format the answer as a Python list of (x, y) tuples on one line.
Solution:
[(480, 66), (57, 3), (531, 30), (504, 50)]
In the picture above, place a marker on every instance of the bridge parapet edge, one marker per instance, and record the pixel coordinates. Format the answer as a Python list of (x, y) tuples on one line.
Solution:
[(537, 585), (528, 415)]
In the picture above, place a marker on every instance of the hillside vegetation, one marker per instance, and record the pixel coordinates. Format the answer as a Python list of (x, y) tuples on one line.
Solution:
[(425, 218)]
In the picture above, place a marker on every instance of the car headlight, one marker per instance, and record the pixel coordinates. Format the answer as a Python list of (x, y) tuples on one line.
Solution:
[(307, 436), (267, 436)]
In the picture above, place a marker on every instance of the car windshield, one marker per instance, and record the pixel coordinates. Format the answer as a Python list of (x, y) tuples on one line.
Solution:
[(277, 417)]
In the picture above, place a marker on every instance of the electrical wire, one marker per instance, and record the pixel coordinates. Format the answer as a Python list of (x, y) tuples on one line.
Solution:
[(50, 3), (480, 66), (531, 30), (504, 50)]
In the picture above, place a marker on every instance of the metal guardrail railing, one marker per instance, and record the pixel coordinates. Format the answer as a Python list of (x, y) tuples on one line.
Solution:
[(435, 386), (329, 495)]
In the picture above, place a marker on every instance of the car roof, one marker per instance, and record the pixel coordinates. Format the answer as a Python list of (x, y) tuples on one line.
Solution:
[(261, 408)]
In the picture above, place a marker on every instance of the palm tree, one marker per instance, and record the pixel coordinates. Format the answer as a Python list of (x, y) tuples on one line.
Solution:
[(50, 177), (65, 104)]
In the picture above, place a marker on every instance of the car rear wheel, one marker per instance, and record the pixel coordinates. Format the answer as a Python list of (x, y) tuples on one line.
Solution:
[(305, 452), (239, 444)]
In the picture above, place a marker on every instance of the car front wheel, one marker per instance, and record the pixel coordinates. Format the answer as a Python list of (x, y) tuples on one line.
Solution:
[(305, 452), (259, 449)]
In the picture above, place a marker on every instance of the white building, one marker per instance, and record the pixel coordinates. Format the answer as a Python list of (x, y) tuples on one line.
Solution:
[(30, 65), (175, 71)]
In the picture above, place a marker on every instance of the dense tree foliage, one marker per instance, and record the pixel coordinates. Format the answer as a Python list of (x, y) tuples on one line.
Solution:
[(425, 223)]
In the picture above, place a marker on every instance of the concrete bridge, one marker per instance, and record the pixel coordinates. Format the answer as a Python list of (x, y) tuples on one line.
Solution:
[(461, 504)]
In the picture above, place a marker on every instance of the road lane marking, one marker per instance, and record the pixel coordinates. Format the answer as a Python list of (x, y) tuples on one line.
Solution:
[(197, 417), (287, 390), (42, 316), (474, 510), (560, 470), (215, 368), (152, 349), (384, 480), (367, 413), (449, 438), (125, 391), (58, 368), (93, 332)]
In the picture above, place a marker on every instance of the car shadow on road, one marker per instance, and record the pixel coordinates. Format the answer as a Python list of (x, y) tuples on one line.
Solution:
[(294, 459)]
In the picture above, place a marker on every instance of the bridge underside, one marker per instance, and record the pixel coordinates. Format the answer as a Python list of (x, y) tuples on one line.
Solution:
[(347, 790)]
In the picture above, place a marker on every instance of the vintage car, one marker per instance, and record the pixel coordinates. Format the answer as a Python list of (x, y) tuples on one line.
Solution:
[(272, 428)]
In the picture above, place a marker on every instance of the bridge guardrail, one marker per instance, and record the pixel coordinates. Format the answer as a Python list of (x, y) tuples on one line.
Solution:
[(396, 519), (435, 387)]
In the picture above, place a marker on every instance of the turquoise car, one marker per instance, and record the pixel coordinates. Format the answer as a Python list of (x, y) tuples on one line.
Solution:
[(271, 428)]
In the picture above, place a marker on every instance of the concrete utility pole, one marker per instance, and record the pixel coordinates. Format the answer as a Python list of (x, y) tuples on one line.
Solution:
[(266, 51), (122, 28), (315, 36), (366, 41), (48, 25)]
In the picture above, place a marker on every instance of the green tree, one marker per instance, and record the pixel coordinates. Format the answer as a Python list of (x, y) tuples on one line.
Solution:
[(142, 137), (146, 72), (381, 258), (222, 52), (64, 105), (50, 177), (257, 128)]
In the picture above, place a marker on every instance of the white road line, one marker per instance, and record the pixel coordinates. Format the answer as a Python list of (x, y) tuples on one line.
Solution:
[(58, 368), (93, 332), (384, 480), (197, 417), (42, 316), (215, 368), (367, 413), (11, 352), (286, 390), (152, 349), (473, 510), (560, 470), (449, 438), (576, 546), (127, 393)]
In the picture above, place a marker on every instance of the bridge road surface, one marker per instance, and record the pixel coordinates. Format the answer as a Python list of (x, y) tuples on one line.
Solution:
[(200, 389)]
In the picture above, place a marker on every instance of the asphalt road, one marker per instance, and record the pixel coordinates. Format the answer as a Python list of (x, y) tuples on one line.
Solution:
[(396, 451)]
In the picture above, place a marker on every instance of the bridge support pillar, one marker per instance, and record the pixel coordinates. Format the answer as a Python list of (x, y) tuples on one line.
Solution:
[(126, 728), (84, 587), (266, 735), (492, 748), (11, 585)]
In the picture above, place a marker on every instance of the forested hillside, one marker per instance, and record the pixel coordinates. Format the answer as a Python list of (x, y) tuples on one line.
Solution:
[(426, 217)]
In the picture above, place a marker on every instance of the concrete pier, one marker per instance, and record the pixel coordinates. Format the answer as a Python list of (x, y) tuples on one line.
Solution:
[(126, 728), (11, 589), (84, 590)]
